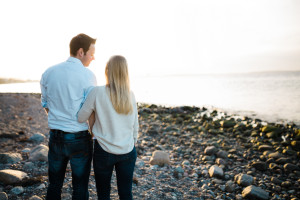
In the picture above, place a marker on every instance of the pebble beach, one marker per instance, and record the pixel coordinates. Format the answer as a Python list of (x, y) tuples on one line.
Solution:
[(184, 153)]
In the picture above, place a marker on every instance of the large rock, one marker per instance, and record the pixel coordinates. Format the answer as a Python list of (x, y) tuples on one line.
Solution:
[(9, 176), (210, 150), (3, 196), (38, 137), (215, 171), (39, 153), (252, 192), (10, 158), (160, 158), (243, 179)]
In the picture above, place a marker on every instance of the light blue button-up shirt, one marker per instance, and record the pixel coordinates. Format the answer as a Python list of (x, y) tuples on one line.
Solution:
[(64, 88)]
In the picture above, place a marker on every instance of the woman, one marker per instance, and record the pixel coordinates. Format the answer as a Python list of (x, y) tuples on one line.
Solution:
[(115, 129)]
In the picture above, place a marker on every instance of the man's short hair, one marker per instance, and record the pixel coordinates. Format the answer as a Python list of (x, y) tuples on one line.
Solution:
[(81, 41)]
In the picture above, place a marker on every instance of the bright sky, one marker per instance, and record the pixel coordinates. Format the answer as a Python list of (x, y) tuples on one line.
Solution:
[(157, 37)]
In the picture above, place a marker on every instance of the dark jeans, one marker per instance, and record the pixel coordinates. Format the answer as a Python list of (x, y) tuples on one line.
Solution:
[(104, 164), (76, 148)]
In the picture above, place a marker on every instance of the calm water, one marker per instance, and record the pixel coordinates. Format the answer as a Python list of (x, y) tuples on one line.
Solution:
[(271, 96)]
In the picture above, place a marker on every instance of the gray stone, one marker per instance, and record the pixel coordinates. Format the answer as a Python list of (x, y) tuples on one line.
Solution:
[(35, 198), (262, 166), (39, 153), (42, 186), (243, 179), (222, 154), (215, 171), (210, 150), (9, 176), (221, 161), (28, 166), (286, 184), (17, 190), (283, 160), (10, 158), (37, 137), (290, 167), (265, 148), (3, 196), (253, 192), (275, 155), (179, 170), (230, 186), (276, 181)]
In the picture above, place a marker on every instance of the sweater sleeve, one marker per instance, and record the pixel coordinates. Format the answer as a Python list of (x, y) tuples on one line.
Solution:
[(136, 120), (88, 107)]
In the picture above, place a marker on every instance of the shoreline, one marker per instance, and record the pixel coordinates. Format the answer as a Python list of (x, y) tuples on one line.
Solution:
[(212, 155), (232, 112)]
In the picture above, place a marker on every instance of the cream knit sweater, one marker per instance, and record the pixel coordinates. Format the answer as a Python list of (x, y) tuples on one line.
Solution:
[(116, 133)]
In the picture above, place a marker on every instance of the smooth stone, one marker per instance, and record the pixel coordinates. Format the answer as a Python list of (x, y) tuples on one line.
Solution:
[(274, 166), (3, 196), (42, 186), (265, 148), (215, 171), (221, 161), (35, 198), (10, 158), (222, 154), (160, 158), (17, 190), (228, 123), (286, 184), (275, 155), (283, 160), (230, 186), (39, 153), (295, 144), (276, 181), (28, 166), (290, 167), (262, 166), (243, 179), (255, 192), (10, 176), (210, 150), (179, 169), (37, 137)]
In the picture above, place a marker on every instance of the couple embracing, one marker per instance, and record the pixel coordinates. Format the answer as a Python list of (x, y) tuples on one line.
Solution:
[(80, 111)]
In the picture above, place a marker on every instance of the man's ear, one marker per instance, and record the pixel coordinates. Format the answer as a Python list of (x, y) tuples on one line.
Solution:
[(80, 53)]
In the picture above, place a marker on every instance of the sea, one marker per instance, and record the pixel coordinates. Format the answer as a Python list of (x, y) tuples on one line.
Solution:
[(269, 96)]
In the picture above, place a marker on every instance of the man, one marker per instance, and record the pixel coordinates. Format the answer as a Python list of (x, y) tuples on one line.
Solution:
[(64, 88)]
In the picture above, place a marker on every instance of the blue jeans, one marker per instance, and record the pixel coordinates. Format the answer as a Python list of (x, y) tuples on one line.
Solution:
[(104, 164), (76, 148)]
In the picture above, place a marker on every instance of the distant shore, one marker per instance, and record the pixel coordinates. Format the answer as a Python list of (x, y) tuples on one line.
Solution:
[(12, 80)]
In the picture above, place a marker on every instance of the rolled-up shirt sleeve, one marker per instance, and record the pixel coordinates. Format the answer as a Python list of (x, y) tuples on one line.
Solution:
[(43, 92), (88, 107)]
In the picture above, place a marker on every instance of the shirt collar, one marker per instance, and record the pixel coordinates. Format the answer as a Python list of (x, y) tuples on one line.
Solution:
[(74, 60)]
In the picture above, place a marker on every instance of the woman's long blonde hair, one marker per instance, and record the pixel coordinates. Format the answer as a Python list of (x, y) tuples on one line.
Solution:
[(117, 83)]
